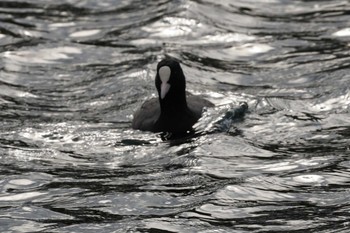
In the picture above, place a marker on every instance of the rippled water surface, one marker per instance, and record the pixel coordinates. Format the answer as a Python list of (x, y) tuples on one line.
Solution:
[(72, 73)]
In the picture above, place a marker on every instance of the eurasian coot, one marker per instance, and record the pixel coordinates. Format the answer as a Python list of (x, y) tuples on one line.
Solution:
[(174, 110)]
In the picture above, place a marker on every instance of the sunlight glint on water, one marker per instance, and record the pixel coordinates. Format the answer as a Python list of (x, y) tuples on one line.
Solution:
[(73, 72)]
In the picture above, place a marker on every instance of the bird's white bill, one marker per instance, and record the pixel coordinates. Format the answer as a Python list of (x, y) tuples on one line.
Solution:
[(164, 75), (164, 88)]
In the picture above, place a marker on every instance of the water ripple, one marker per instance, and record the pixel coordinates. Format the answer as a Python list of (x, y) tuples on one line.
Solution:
[(73, 72)]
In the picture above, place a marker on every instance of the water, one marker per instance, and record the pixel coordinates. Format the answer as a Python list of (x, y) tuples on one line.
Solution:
[(73, 72)]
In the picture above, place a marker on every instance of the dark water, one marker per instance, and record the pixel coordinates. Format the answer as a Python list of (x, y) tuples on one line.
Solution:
[(72, 72)]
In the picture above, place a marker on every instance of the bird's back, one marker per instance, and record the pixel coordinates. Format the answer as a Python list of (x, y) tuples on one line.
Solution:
[(147, 115)]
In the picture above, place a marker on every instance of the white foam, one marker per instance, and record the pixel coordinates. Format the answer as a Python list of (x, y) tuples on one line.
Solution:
[(172, 27), (85, 33), (227, 38), (41, 56), (61, 25), (309, 179), (284, 166), (250, 49), (21, 196), (21, 182), (342, 33)]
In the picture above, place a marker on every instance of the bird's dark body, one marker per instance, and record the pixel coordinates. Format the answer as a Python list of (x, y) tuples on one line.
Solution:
[(174, 111), (148, 117)]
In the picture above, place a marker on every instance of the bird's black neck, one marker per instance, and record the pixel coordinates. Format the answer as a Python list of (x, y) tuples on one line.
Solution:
[(173, 105)]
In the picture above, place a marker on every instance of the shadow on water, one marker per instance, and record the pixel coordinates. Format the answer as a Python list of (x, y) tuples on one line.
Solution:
[(73, 72)]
